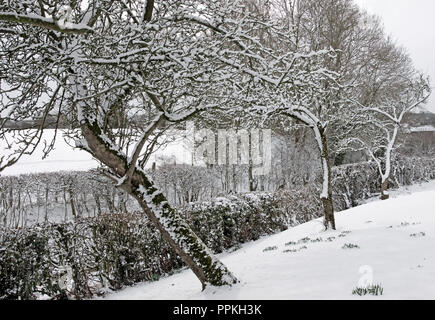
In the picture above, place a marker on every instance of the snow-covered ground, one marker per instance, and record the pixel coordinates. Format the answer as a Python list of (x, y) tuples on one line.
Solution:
[(395, 239), (65, 158), (62, 158)]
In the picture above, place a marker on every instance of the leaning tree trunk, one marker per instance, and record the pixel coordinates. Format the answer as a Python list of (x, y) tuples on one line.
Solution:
[(326, 195), (173, 228)]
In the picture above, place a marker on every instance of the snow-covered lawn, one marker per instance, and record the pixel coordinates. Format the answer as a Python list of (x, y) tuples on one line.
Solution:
[(396, 246)]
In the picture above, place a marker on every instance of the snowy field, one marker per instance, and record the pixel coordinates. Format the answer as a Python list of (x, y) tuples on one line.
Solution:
[(66, 158), (395, 240), (62, 158)]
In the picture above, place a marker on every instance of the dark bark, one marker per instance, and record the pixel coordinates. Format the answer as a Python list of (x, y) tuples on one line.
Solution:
[(252, 184), (384, 188), (173, 228), (328, 205), (149, 10), (328, 208), (71, 201), (46, 205)]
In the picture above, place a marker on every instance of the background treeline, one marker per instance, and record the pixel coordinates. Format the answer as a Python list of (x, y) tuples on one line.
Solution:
[(67, 196), (98, 251)]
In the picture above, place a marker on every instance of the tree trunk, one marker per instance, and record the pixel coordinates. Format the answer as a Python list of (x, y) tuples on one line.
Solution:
[(326, 196), (328, 209), (65, 204), (46, 205), (234, 179), (73, 207), (173, 228), (328, 206), (384, 188), (252, 184)]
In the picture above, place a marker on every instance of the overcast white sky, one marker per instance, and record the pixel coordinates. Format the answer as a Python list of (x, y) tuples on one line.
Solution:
[(412, 24)]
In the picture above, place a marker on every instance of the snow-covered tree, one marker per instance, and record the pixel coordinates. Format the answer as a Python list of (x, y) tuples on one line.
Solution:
[(385, 88), (376, 126), (146, 58), (301, 85), (363, 60)]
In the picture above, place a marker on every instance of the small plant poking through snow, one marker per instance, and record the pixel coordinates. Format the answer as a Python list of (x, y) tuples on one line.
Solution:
[(290, 243), (290, 250), (330, 239), (317, 240), (270, 248), (304, 240), (417, 235), (374, 290), (350, 246), (344, 233)]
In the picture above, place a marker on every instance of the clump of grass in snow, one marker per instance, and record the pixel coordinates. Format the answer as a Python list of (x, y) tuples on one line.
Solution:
[(304, 240), (416, 235), (317, 240), (270, 248), (290, 243), (344, 233), (290, 250), (330, 239), (303, 248), (375, 290), (350, 246)]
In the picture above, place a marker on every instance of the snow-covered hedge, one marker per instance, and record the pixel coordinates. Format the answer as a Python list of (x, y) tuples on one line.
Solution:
[(355, 182), (83, 258), (228, 221)]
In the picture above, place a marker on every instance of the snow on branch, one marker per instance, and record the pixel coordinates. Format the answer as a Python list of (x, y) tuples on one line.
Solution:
[(43, 22)]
